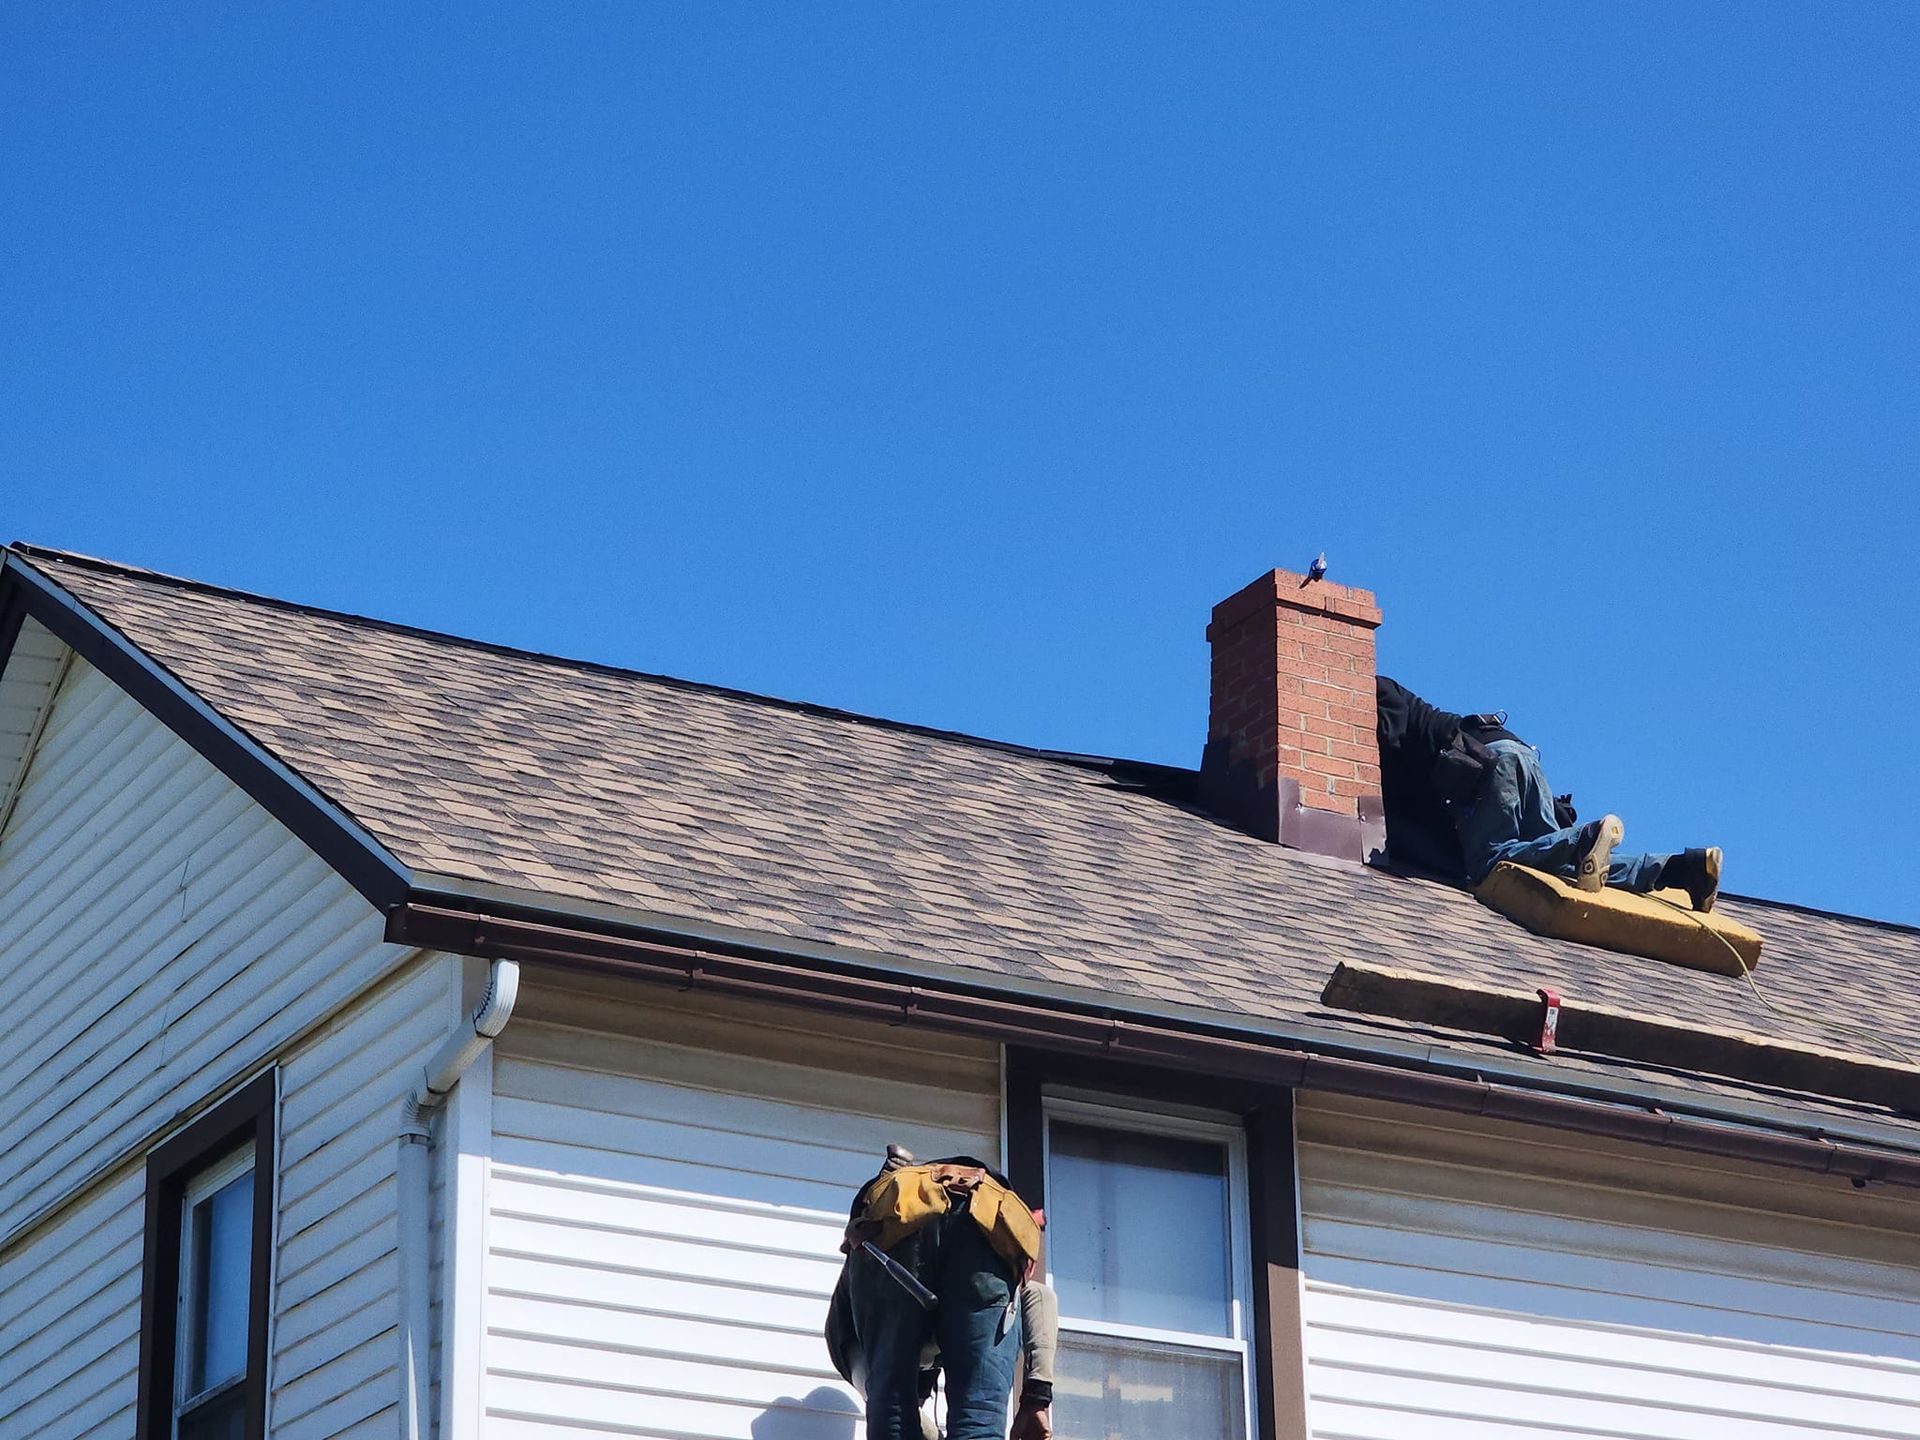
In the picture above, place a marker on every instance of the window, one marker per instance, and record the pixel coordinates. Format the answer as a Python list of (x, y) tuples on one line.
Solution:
[(210, 1329), (204, 1283), (1147, 1249)]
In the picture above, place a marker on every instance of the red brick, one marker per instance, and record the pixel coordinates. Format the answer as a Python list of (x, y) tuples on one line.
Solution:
[(1361, 753), (1328, 694), (1293, 681), (1329, 765), (1332, 729), (1319, 801)]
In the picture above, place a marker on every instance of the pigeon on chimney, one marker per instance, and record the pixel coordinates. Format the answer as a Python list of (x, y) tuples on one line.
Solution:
[(1316, 571)]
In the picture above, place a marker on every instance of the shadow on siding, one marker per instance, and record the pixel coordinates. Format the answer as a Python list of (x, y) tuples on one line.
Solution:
[(821, 1416)]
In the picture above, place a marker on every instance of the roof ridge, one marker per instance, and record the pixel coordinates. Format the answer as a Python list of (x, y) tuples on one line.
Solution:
[(1143, 771)]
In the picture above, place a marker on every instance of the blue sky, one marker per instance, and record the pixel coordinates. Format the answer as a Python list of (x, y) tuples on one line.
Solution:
[(949, 363)]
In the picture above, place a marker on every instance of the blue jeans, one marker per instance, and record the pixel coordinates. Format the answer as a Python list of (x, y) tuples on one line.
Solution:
[(953, 1259), (1512, 819)]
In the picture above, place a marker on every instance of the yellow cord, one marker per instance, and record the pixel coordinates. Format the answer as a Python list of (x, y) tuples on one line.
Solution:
[(1746, 973)]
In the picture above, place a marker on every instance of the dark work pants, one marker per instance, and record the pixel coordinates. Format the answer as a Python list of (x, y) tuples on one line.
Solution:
[(1512, 819), (952, 1257)]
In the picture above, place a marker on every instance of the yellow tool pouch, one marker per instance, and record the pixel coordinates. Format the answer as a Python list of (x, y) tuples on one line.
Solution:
[(1010, 1226), (898, 1202)]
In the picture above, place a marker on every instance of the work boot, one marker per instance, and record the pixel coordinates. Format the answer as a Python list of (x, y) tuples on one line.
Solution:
[(1593, 851), (1698, 873)]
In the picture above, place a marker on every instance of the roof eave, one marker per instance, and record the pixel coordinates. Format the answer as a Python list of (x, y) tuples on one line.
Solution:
[(498, 922)]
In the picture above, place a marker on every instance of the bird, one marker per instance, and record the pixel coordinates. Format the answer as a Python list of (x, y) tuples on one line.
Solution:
[(1317, 570)]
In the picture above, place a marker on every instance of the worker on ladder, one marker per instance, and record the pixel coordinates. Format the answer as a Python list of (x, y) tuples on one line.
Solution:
[(940, 1277)]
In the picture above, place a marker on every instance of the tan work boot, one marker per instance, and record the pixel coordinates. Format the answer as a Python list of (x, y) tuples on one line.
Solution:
[(1594, 851)]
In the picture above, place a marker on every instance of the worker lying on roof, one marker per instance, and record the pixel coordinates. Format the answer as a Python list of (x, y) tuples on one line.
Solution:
[(940, 1277), (1463, 793)]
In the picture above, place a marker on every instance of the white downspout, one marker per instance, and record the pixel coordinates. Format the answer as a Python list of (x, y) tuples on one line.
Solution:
[(435, 1081)]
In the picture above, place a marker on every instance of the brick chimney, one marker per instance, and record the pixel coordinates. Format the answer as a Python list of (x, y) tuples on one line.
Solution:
[(1291, 753)]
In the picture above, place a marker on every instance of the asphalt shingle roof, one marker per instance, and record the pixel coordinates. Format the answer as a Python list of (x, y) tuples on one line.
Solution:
[(590, 784)]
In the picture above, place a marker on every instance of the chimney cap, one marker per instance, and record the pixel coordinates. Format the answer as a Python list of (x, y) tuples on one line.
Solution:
[(1288, 589)]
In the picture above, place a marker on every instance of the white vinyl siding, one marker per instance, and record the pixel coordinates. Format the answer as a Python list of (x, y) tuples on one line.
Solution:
[(162, 938), (159, 934), (70, 1320), (1471, 1280), (667, 1189), (335, 1346)]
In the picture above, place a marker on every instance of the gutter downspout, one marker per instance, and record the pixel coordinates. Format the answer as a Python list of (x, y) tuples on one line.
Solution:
[(466, 1043)]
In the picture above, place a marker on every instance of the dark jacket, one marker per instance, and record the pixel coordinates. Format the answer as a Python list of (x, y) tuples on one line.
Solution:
[(1432, 760), (1412, 736), (1429, 759)]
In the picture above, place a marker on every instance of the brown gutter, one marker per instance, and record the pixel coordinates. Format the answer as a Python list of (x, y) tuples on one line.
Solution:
[(1604, 1030), (685, 966)]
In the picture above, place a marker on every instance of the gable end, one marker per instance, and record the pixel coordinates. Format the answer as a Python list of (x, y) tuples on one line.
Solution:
[(26, 594)]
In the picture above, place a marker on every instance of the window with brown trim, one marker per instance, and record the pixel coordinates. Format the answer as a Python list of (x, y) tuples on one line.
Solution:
[(204, 1278), (1041, 1089), (1147, 1251)]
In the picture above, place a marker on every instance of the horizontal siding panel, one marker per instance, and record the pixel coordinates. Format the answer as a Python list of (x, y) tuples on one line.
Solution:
[(1606, 1294), (359, 1234), (1347, 1318), (1362, 1365), (226, 1032), (578, 1360), (822, 1106), (346, 1412), (339, 1330), (665, 1212), (741, 1263), (355, 1371), (946, 1093), (824, 1162), (688, 1177), (159, 937), (1474, 1160), (354, 1165), (647, 1023), (336, 1349), (623, 1320), (103, 1382), (1713, 1212), (1517, 1401), (1437, 1263), (352, 1299), (70, 1318), (707, 1297), (563, 1409), (51, 1336), (617, 1210), (103, 1228)]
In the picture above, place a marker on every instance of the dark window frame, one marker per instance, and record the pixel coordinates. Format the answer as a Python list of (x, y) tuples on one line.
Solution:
[(245, 1116), (1267, 1115)]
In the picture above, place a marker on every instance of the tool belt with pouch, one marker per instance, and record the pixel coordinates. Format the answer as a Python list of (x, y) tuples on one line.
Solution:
[(899, 1201)]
